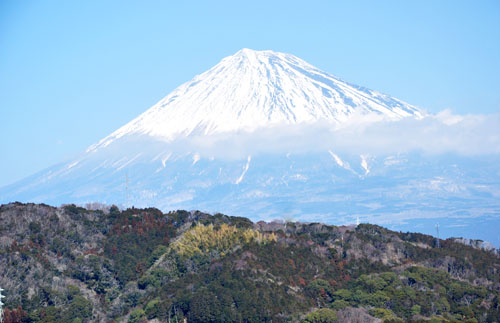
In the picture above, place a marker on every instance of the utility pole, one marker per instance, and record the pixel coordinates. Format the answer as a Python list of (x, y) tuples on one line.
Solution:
[(126, 190), (1, 305), (437, 235)]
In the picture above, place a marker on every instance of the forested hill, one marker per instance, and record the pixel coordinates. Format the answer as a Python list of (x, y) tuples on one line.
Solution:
[(71, 264)]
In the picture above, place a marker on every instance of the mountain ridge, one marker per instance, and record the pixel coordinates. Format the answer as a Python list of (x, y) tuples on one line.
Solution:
[(103, 264)]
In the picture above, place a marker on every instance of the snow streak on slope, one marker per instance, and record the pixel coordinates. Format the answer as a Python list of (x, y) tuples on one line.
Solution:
[(364, 164), (253, 89), (244, 171), (339, 161)]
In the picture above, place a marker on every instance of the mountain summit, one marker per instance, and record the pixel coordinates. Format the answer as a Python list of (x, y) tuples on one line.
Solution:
[(253, 89)]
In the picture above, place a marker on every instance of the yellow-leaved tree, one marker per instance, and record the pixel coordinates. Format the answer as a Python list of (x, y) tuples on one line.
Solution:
[(203, 239)]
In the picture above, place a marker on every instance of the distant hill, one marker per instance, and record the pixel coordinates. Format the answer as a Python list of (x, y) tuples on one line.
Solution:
[(71, 264)]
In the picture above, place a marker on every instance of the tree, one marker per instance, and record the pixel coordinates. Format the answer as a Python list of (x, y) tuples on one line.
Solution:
[(14, 316), (205, 307), (152, 308), (137, 315), (323, 315), (319, 288), (80, 307)]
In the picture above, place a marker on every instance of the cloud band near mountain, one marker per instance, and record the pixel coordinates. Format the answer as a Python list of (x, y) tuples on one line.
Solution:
[(445, 132)]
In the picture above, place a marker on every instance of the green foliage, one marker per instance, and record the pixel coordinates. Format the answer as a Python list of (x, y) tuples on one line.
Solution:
[(418, 290), (156, 254), (79, 307), (72, 209), (319, 289), (385, 315), (72, 291), (35, 227), (147, 280), (137, 315), (343, 294), (323, 315), (205, 306), (339, 304), (415, 309), (152, 309)]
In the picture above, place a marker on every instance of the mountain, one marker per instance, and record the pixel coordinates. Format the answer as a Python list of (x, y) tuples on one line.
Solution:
[(253, 89), (266, 135), (72, 264)]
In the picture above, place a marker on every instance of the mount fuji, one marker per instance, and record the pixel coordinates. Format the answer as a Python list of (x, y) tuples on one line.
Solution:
[(255, 89), (266, 135)]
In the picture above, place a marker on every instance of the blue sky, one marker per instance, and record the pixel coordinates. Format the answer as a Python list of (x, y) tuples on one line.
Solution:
[(71, 72)]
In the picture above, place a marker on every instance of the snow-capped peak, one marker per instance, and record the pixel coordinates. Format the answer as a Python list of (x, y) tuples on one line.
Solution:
[(253, 89)]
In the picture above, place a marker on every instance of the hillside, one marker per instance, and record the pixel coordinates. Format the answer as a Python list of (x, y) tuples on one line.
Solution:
[(72, 264)]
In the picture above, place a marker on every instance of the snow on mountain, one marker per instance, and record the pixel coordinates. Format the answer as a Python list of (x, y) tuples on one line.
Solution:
[(339, 161), (253, 89), (364, 164)]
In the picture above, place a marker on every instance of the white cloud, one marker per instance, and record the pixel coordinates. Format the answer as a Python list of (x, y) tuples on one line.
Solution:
[(368, 134)]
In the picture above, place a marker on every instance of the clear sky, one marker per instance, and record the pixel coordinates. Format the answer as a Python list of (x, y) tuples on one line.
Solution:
[(71, 72)]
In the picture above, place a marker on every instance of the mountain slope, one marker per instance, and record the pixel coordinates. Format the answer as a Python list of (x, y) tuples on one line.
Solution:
[(244, 92), (253, 89)]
